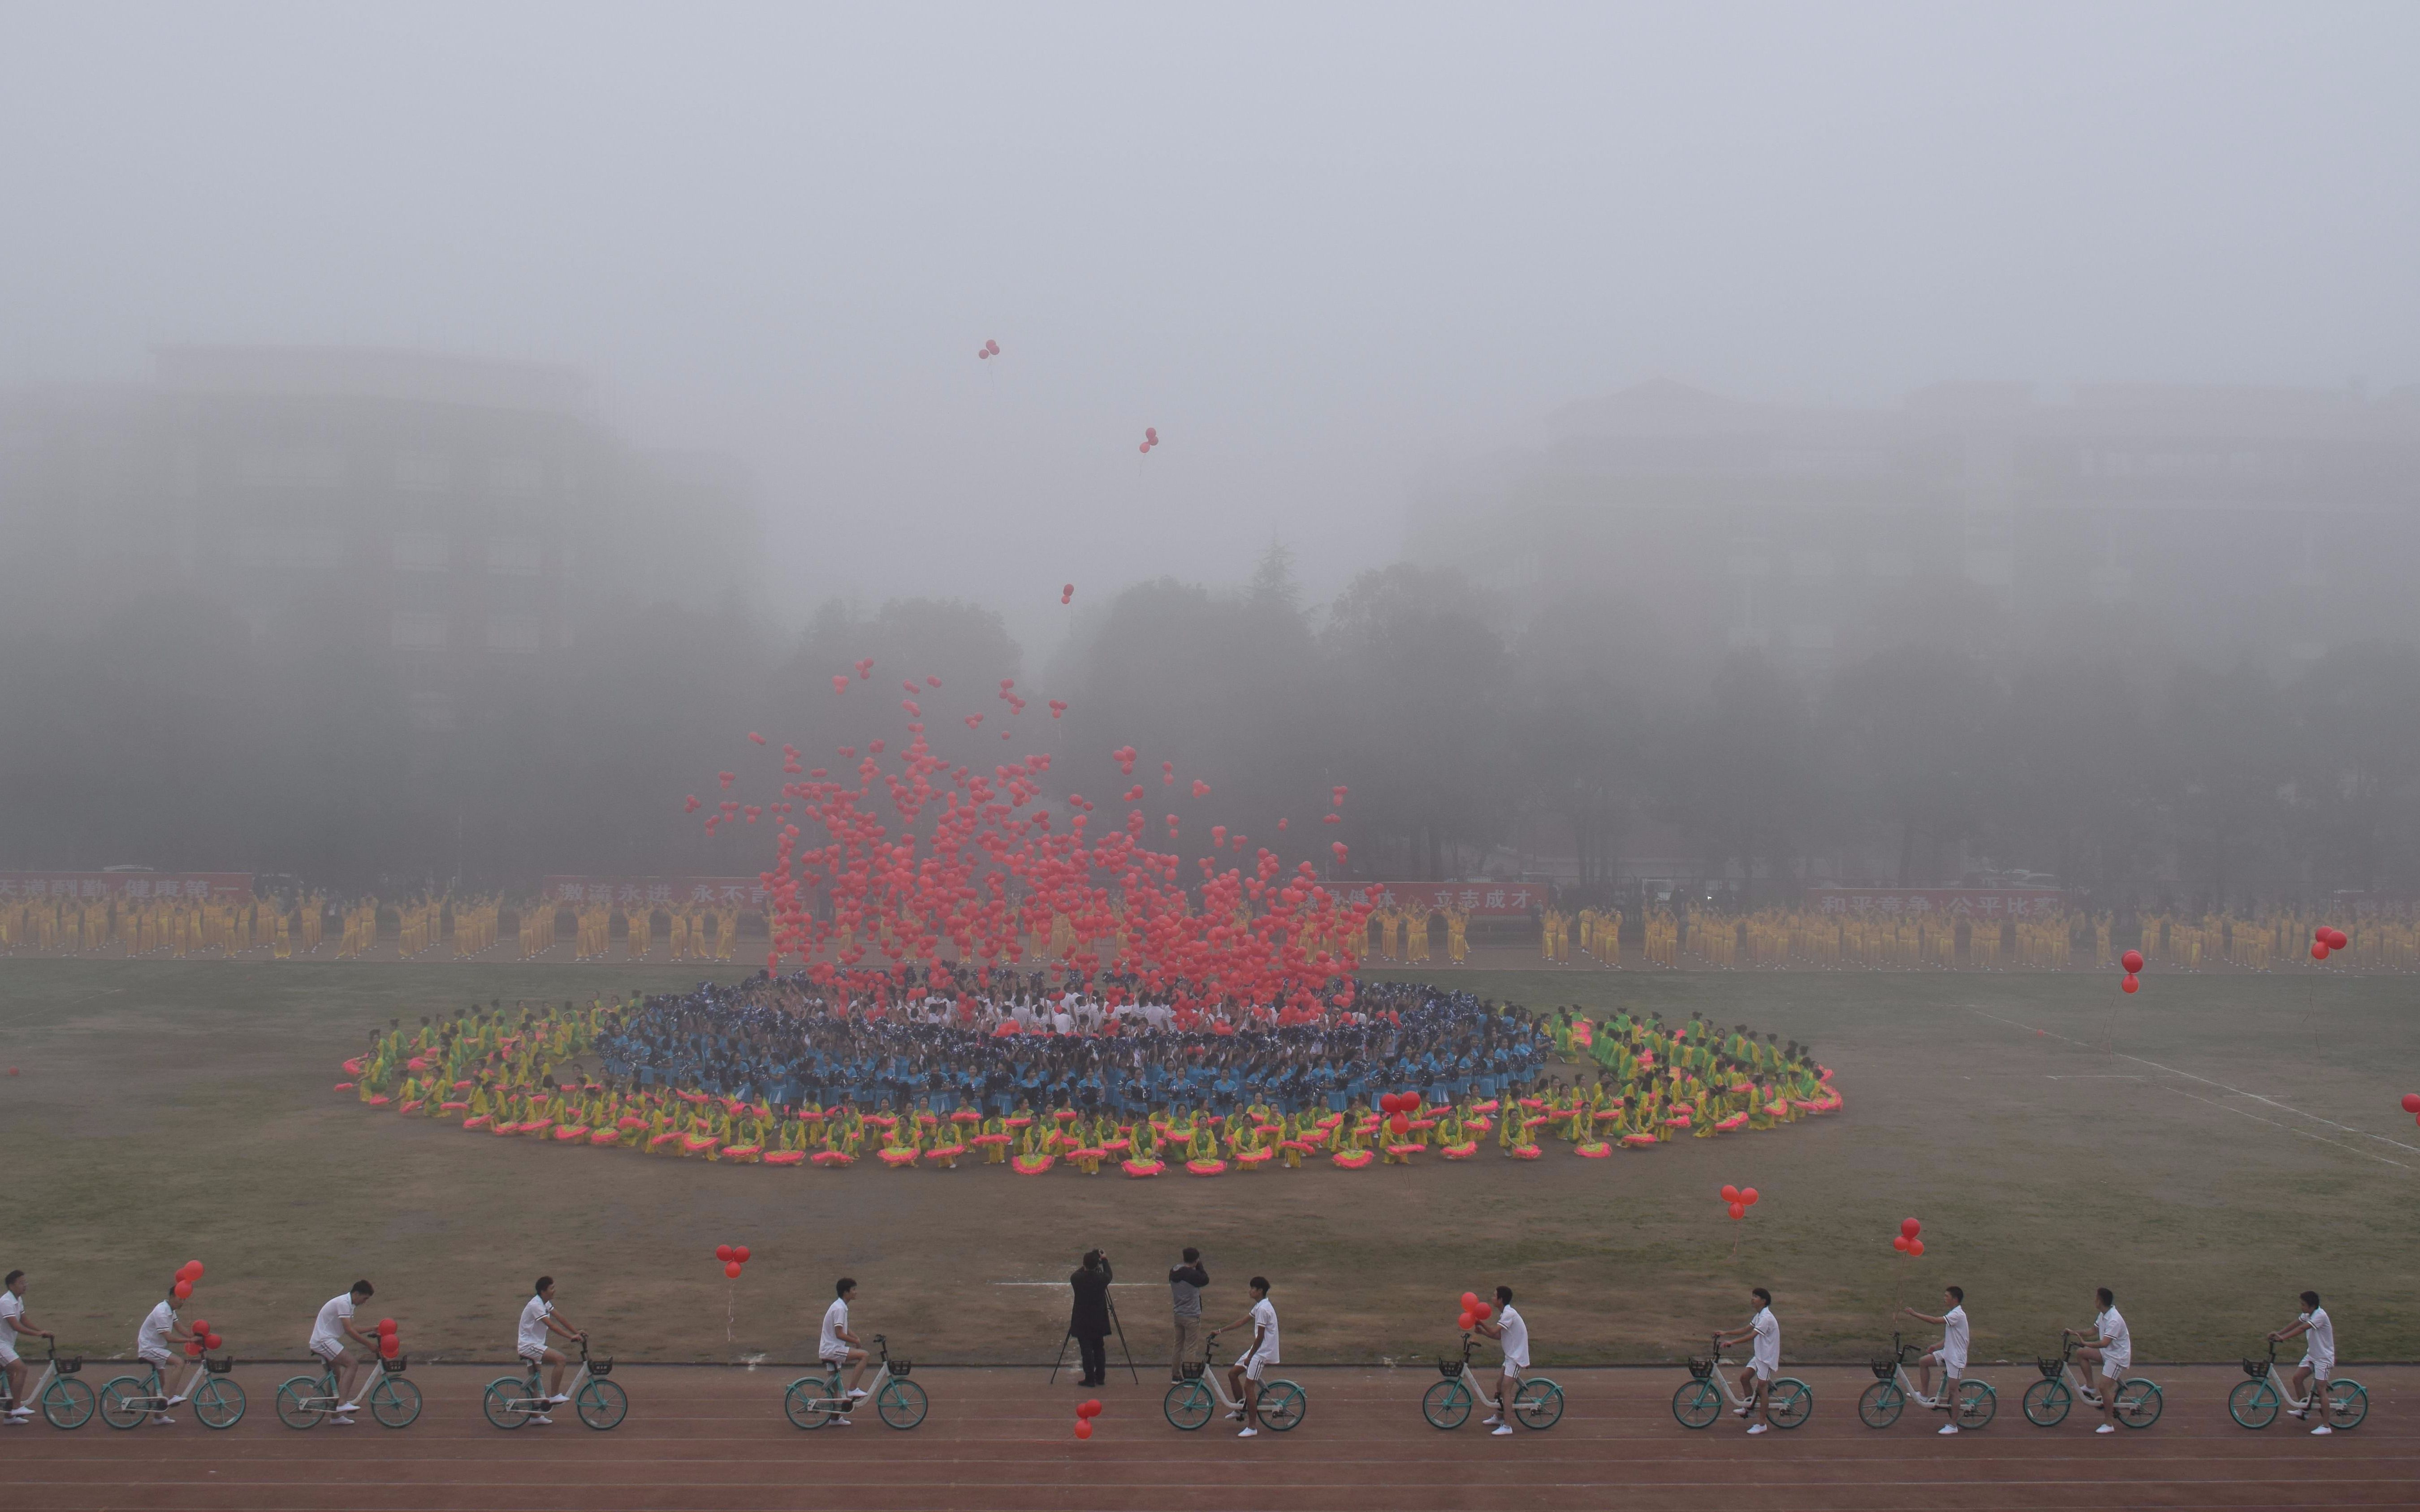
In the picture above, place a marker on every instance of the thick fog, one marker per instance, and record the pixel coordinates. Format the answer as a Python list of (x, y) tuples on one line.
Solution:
[(1320, 248), (1781, 442)]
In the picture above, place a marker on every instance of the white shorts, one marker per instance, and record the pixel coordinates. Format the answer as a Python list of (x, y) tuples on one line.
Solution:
[(1511, 1371), (2114, 1366), (331, 1353), (1951, 1368), (1764, 1371), (2319, 1369), (833, 1359), (1252, 1368), (536, 1356), (158, 1359), (8, 1356)]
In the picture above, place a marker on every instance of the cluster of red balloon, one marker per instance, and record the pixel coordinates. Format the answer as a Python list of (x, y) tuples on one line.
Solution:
[(204, 1340), (1738, 1199), (1474, 1311), (390, 1345), (1085, 1412), (1150, 438), (989, 348), (1066, 593), (2412, 1105), (1905, 1241), (2133, 962), (732, 1256), (1400, 1107), (2324, 939), (187, 1275), (939, 866)]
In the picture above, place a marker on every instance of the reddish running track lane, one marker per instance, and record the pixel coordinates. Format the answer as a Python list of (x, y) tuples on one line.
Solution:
[(711, 1440)]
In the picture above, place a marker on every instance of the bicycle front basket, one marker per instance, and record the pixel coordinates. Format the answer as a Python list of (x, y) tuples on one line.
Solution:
[(899, 1367), (219, 1367), (1700, 1369), (1193, 1370), (1449, 1368), (392, 1366), (2050, 1369), (1883, 1368), (70, 1366), (2256, 1368), (601, 1367)]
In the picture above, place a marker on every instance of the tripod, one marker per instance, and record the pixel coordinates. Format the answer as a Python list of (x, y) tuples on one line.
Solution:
[(1061, 1360)]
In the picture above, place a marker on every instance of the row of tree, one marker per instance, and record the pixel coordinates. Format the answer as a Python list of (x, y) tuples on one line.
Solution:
[(178, 737)]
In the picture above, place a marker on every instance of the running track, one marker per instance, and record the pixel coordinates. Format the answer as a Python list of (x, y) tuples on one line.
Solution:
[(706, 1438)]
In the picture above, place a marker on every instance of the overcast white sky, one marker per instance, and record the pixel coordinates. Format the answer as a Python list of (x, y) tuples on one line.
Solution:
[(1319, 247)]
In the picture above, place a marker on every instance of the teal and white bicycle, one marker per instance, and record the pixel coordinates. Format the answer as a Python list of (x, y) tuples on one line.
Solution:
[(513, 1401), (128, 1402), (1191, 1402), (812, 1401), (307, 1401), (2255, 1403), (2046, 1401), (1537, 1402), (1787, 1400), (1889, 1397), (66, 1402)]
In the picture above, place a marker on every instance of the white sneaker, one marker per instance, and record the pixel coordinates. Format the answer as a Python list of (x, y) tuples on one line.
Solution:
[(541, 1417), (557, 1400), (163, 1420), (843, 1420), (174, 1400), (1235, 1416), (2106, 1427), (2324, 1428), (21, 1412), (1503, 1430), (1248, 1433), (341, 1421), (1758, 1427), (856, 1391), (348, 1407), (1948, 1427)]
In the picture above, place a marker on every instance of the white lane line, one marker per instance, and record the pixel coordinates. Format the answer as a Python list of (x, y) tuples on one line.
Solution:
[(2290, 1129), (2235, 1091)]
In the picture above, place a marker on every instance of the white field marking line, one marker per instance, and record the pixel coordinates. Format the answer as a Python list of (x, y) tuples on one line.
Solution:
[(2289, 1128), (2235, 1091)]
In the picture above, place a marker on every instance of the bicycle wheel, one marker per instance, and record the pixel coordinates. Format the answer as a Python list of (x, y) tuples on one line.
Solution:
[(125, 1402), (1789, 1402), (2253, 1404), (2348, 1404), (800, 1401), (1188, 1405), (507, 1403), (1446, 1405), (2045, 1403), (2138, 1403), (219, 1403), (395, 1402), (1538, 1404), (67, 1403), (1697, 1404), (1284, 1406), (1977, 1404), (900, 1403), (601, 1404), (1881, 1404), (294, 1397)]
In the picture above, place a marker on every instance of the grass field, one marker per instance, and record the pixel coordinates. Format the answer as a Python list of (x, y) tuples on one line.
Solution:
[(2208, 1149)]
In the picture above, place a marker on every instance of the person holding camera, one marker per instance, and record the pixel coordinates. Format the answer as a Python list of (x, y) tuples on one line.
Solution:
[(1184, 1284), (1090, 1319)]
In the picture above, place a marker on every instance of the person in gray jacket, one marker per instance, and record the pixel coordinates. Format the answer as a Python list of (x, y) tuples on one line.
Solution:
[(1184, 1284)]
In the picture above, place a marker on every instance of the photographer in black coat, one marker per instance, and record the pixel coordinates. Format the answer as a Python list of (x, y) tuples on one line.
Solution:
[(1088, 1320)]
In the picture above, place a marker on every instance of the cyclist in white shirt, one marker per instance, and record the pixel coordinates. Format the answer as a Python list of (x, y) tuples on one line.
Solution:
[(839, 1347), (1756, 1381), (1509, 1329), (1950, 1356), (330, 1331), (2311, 1381), (13, 1321), (1244, 1376), (152, 1341), (2107, 1343), (538, 1319)]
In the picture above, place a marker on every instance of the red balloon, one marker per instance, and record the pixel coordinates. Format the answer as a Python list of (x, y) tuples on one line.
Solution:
[(190, 1271), (1482, 1311), (183, 1290), (1910, 1228), (740, 1253), (1747, 1195), (2131, 960), (1730, 1194), (1739, 1210), (2339, 939), (201, 1326), (2320, 933), (1901, 1243), (1400, 1124), (194, 1351), (722, 1253), (1083, 1427), (1469, 1301), (2129, 982), (1092, 1408), (1915, 1246), (1465, 1322), (2319, 952), (2412, 1102), (390, 1347), (732, 1269), (386, 1325)]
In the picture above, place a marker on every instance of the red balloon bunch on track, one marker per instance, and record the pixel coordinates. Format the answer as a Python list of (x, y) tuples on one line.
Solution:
[(732, 1256), (1085, 1412), (1738, 1199)]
